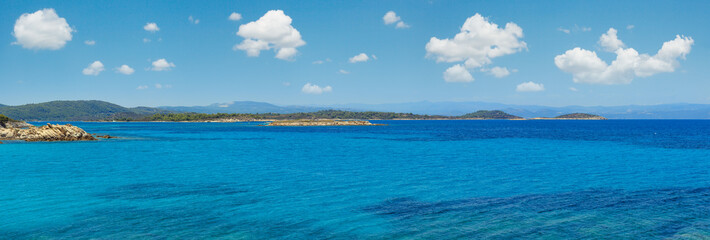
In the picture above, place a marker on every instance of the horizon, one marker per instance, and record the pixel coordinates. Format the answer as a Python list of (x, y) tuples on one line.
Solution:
[(197, 54)]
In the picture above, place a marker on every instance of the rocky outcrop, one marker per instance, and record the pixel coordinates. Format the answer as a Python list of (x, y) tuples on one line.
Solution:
[(295, 123), (49, 132)]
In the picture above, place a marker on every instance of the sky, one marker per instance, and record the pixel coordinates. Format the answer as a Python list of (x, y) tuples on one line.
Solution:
[(186, 53)]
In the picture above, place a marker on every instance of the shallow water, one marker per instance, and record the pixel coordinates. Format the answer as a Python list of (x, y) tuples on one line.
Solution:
[(409, 179)]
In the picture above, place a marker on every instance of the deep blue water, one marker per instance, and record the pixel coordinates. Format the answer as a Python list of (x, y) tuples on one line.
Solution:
[(407, 180)]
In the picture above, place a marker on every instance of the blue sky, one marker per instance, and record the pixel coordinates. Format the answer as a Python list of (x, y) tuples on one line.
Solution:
[(207, 69)]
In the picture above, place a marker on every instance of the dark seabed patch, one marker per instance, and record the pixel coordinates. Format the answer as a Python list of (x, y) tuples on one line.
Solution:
[(656, 214), (168, 190)]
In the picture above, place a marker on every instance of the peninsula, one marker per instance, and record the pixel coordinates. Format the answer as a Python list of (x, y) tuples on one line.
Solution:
[(573, 116)]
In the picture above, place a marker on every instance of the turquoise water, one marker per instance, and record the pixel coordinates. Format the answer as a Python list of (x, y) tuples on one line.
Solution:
[(407, 180)]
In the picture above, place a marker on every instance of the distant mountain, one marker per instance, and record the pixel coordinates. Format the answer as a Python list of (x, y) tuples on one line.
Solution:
[(74, 111), (244, 107), (663, 111)]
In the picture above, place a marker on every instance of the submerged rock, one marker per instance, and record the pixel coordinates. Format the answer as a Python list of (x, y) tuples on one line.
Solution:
[(46, 133)]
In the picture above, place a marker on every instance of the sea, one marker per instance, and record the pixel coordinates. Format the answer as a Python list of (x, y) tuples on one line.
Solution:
[(440, 179)]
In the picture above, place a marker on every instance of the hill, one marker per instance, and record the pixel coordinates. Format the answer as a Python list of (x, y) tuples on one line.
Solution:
[(484, 114), (74, 111), (243, 107)]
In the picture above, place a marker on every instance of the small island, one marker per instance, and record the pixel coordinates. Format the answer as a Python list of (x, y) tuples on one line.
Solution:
[(489, 115), (573, 116), (11, 129), (294, 123)]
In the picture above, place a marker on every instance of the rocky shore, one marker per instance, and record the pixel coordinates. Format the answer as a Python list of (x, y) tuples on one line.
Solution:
[(295, 123), (46, 133)]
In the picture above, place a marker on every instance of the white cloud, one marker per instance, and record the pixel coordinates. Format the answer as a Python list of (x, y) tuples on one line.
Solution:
[(609, 41), (161, 86), (145, 40), (193, 20), (478, 43), (315, 89), (271, 31), (43, 29), (286, 84), (90, 42), (586, 29), (564, 30), (586, 67), (573, 89), (530, 87), (629, 27), (341, 71), (142, 87), (93, 69), (391, 17), (362, 57), (457, 73), (401, 25), (373, 57), (499, 72), (162, 65), (125, 69), (235, 16), (151, 27)]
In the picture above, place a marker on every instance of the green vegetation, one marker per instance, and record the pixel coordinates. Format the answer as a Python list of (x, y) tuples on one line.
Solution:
[(325, 114), (580, 116), (4, 120), (75, 111), (484, 114)]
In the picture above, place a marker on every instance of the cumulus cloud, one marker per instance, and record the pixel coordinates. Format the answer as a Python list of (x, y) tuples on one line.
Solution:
[(477, 44), (341, 71), (145, 40), (530, 87), (586, 67), (193, 20), (142, 87), (391, 18), (94, 68), (564, 30), (499, 72), (125, 69), (235, 16), (90, 42), (271, 31), (43, 29), (573, 89), (362, 57), (609, 41), (162, 65), (151, 27), (315, 89), (457, 73), (629, 27)]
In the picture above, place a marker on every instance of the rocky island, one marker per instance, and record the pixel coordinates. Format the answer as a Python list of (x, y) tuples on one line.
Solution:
[(573, 116), (294, 123), (17, 130)]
